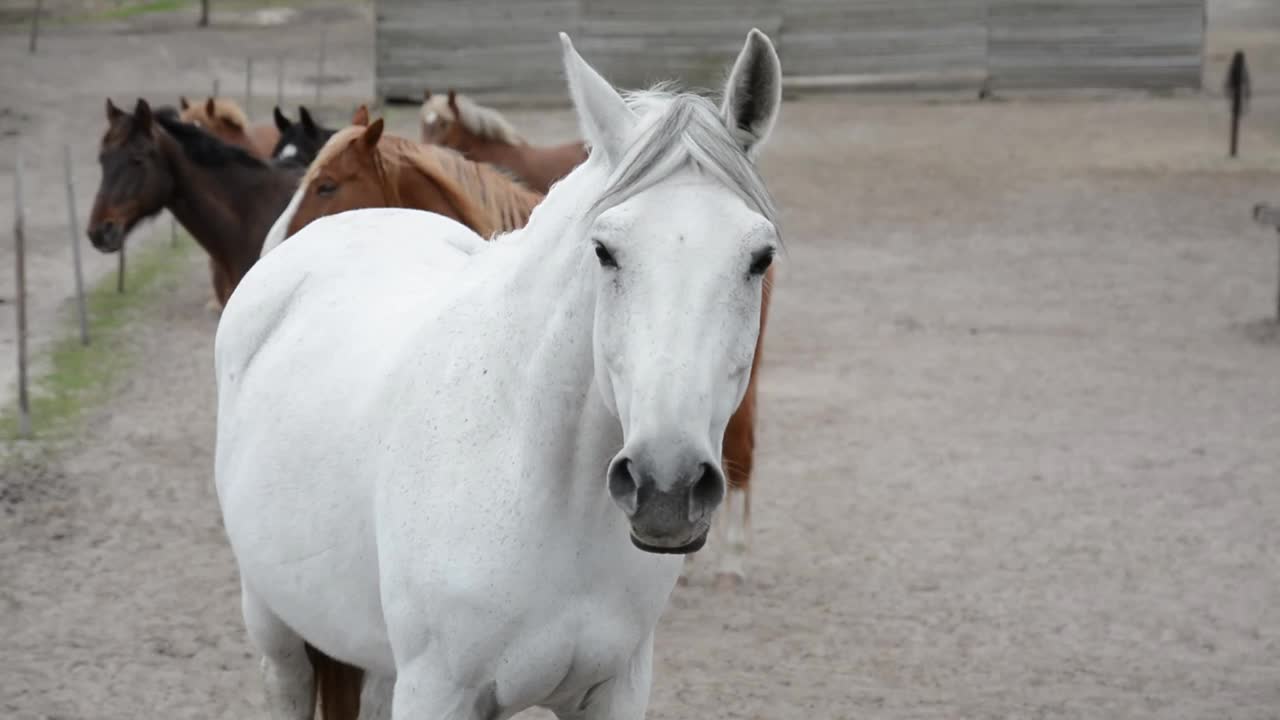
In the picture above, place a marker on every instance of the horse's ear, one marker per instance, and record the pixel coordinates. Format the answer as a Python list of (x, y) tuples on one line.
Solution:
[(282, 122), (113, 113), (361, 116), (453, 102), (211, 109), (142, 117), (607, 122), (308, 124), (182, 102), (753, 93), (426, 94), (372, 134)]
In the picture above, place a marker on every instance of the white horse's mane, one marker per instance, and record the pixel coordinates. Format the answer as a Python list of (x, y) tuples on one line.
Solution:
[(481, 120), (684, 129)]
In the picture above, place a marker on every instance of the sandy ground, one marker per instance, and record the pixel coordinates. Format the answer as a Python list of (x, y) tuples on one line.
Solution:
[(1018, 453)]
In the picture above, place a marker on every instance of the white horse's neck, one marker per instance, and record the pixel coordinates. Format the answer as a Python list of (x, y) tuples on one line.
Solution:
[(554, 273)]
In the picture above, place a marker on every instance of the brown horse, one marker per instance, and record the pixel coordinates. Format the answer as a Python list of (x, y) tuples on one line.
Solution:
[(223, 196), (358, 169), (226, 121), (363, 167), (483, 135)]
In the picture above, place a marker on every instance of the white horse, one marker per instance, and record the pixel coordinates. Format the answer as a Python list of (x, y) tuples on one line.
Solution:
[(470, 469)]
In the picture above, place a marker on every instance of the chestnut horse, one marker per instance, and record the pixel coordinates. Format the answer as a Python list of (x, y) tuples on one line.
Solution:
[(227, 122), (363, 167), (223, 196), (360, 169), (483, 135)]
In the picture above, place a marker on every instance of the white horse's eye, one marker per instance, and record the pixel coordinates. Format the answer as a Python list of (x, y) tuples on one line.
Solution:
[(761, 260), (606, 257)]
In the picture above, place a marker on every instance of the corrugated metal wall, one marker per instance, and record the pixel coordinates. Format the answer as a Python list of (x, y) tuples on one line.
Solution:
[(506, 50)]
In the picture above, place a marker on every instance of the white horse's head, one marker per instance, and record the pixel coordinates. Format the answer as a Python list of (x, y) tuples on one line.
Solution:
[(681, 235)]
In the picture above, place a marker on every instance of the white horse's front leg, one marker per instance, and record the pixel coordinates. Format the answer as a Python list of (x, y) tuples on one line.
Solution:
[(424, 689), (624, 696), (286, 668), (375, 697)]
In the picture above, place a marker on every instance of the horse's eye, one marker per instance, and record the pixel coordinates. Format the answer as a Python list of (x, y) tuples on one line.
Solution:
[(326, 189), (606, 258), (760, 261)]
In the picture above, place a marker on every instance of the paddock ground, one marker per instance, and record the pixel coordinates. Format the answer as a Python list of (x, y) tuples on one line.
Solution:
[(1018, 452)]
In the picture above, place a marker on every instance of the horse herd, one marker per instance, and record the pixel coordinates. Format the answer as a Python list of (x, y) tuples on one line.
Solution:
[(369, 353)]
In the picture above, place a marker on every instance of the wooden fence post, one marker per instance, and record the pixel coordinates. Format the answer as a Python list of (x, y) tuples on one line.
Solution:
[(35, 27), (1264, 214), (75, 246), (320, 66), (248, 86), (20, 264)]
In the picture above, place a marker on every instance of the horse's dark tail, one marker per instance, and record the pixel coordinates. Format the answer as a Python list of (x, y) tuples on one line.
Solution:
[(337, 686)]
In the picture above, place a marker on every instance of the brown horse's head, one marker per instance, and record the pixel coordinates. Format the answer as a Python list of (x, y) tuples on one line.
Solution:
[(136, 179), (348, 173), (454, 121)]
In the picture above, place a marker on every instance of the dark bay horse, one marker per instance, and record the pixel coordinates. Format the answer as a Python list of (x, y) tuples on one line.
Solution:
[(483, 135), (223, 196), (362, 168)]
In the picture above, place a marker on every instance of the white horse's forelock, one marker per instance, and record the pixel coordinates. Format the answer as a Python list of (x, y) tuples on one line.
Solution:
[(687, 131)]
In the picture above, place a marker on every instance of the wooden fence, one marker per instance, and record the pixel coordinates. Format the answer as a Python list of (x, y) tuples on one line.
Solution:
[(507, 51)]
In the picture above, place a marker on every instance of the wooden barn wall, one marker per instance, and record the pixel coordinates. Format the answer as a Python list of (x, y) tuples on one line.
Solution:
[(483, 48), (855, 41), (506, 50), (1061, 44)]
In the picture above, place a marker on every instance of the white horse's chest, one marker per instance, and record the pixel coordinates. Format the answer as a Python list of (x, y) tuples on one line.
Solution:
[(546, 609)]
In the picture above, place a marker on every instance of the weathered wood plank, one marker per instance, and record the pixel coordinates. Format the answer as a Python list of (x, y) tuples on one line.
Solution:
[(1052, 44)]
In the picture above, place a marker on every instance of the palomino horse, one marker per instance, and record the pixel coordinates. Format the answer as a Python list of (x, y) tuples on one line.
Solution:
[(469, 468), (363, 167), (375, 169), (483, 135), (226, 121), (224, 197), (299, 141)]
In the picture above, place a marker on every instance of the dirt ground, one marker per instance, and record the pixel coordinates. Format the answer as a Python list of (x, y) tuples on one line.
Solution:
[(1018, 451)]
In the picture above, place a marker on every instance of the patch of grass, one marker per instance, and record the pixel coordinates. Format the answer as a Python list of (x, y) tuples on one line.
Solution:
[(78, 375), (124, 12)]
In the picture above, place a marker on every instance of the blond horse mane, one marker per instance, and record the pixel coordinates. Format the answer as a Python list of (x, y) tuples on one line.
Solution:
[(223, 109), (478, 119), (488, 200)]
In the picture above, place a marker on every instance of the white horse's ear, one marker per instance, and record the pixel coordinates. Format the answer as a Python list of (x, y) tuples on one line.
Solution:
[(753, 94), (607, 122)]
